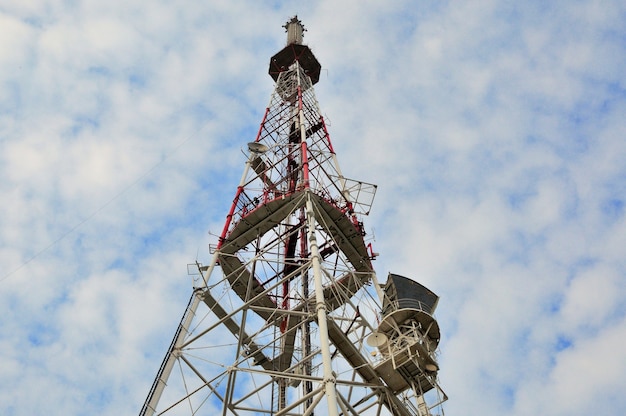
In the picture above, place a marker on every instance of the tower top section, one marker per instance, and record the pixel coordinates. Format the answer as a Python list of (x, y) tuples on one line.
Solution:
[(295, 31), (295, 52)]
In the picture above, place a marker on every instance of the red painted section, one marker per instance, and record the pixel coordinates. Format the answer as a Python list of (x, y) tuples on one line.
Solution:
[(229, 217), (330, 145), (285, 305), (258, 135)]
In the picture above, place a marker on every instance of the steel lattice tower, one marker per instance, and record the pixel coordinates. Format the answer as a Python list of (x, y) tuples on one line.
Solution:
[(289, 317)]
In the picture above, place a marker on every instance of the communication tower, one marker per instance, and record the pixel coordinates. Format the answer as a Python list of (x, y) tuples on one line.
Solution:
[(289, 318)]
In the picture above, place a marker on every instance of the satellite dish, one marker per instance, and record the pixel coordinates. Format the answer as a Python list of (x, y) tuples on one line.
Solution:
[(431, 367), (256, 147), (377, 339)]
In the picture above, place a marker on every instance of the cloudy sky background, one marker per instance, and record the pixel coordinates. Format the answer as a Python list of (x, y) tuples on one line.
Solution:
[(495, 131)]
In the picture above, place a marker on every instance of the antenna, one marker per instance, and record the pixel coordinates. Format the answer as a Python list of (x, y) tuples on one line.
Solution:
[(295, 31)]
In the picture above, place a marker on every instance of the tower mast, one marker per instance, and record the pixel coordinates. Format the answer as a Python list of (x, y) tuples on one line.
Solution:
[(288, 318)]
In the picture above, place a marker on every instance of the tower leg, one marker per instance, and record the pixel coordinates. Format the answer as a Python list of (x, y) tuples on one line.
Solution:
[(329, 376), (160, 382)]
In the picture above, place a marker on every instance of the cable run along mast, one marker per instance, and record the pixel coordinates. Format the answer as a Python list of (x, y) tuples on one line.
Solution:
[(289, 317)]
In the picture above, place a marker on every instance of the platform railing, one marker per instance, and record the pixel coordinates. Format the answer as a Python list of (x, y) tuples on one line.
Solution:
[(405, 303)]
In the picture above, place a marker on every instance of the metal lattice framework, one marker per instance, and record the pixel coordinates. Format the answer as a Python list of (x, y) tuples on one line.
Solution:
[(287, 318)]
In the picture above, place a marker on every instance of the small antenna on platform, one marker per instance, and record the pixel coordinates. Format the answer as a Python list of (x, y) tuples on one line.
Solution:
[(295, 31)]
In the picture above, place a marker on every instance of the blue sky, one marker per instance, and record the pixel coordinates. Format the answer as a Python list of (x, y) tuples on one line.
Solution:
[(494, 130)]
